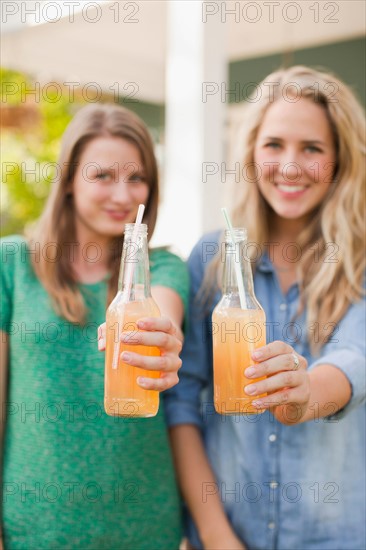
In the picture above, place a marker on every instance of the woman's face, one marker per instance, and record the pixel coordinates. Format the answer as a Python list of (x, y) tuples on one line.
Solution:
[(109, 184), (295, 154)]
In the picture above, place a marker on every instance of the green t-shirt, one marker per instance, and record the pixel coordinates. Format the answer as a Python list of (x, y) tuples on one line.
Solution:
[(73, 476)]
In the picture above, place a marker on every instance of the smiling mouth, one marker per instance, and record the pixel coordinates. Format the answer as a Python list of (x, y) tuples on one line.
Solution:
[(118, 214), (291, 188)]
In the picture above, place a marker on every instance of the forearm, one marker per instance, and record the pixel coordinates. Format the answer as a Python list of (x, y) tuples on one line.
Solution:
[(171, 305), (293, 393), (195, 476), (330, 391)]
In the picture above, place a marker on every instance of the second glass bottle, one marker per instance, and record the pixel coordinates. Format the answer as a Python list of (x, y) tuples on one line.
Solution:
[(237, 330)]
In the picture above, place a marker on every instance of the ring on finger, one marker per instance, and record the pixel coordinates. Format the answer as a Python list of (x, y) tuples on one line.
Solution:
[(296, 361)]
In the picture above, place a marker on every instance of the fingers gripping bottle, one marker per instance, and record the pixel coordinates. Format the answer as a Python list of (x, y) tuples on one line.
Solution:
[(238, 328), (122, 395)]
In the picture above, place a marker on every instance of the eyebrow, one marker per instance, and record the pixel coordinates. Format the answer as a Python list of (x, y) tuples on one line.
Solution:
[(305, 141), (112, 168), (314, 141)]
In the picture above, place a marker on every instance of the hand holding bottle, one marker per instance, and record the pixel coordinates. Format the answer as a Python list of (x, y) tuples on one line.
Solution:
[(158, 332), (287, 383), (136, 336)]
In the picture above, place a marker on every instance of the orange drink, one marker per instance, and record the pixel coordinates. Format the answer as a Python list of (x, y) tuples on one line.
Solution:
[(236, 334), (123, 396)]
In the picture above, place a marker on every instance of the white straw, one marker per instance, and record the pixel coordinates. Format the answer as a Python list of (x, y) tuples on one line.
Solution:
[(238, 273), (131, 265), (128, 282)]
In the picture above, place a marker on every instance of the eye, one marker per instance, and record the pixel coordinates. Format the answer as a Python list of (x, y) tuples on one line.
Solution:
[(103, 176), (313, 149), (137, 178), (273, 145)]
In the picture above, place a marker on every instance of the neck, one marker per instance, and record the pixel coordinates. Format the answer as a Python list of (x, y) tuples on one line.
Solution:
[(91, 257), (283, 248), (285, 231)]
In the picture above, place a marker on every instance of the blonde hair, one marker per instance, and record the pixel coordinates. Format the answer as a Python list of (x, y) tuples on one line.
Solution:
[(326, 288), (56, 224)]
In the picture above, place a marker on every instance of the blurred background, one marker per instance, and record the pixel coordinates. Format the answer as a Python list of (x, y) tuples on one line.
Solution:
[(186, 67)]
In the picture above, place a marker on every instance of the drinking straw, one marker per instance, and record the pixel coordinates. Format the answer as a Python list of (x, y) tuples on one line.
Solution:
[(130, 265), (238, 273), (128, 281)]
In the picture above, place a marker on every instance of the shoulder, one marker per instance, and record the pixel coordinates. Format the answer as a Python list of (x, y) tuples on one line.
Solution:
[(164, 264), (168, 270), (205, 250), (209, 242), (13, 250), (161, 254), (16, 264), (162, 257), (14, 270), (15, 241)]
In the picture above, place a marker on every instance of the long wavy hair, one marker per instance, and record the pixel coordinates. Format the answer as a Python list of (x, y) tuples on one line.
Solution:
[(57, 222), (327, 288)]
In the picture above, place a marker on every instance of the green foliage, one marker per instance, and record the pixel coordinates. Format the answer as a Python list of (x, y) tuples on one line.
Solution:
[(29, 149)]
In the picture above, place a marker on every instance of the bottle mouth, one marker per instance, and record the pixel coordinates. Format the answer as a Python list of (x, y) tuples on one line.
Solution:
[(142, 230), (240, 234)]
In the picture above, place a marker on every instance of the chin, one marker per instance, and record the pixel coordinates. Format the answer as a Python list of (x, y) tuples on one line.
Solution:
[(117, 232), (113, 231), (290, 213)]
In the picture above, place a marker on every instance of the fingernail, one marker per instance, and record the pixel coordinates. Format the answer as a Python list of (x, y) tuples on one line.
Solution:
[(141, 381), (258, 404), (141, 324), (251, 389), (250, 371), (126, 356), (257, 354)]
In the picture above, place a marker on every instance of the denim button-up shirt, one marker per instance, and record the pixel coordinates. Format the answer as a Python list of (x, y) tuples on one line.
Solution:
[(283, 487)]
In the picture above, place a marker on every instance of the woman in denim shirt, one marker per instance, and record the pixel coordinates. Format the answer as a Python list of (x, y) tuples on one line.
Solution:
[(294, 476)]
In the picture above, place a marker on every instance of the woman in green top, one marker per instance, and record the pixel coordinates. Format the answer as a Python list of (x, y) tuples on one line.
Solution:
[(74, 477)]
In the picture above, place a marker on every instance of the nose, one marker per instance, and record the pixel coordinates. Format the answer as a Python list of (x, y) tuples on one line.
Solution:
[(290, 165), (121, 191)]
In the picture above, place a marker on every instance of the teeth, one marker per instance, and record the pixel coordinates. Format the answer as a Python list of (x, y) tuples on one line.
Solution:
[(291, 188)]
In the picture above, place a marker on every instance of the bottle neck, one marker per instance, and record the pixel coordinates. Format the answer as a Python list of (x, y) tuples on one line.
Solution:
[(238, 256), (134, 275)]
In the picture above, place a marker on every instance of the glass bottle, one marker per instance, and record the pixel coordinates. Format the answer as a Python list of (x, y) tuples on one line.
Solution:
[(122, 395), (238, 328)]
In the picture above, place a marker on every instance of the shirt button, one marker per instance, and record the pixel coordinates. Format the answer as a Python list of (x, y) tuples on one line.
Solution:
[(283, 307), (272, 437), (273, 485), (271, 525)]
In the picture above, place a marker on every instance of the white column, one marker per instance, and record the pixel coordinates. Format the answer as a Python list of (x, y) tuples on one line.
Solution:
[(195, 113)]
